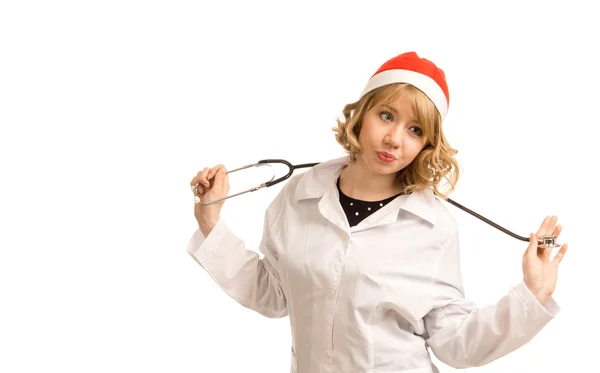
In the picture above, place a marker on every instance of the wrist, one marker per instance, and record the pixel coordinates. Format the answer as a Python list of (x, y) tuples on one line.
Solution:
[(207, 225), (543, 298)]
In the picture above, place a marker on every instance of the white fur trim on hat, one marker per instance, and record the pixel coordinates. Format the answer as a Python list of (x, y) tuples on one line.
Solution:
[(421, 81)]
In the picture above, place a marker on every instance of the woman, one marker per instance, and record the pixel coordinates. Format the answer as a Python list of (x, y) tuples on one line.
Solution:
[(360, 253)]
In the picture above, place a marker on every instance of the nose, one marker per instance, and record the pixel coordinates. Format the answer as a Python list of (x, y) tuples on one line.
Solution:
[(394, 137)]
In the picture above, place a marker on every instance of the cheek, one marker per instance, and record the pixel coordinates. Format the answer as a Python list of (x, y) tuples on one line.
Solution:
[(413, 148), (367, 137)]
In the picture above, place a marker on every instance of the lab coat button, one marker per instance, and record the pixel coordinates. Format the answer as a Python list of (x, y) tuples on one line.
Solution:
[(327, 355), (330, 293)]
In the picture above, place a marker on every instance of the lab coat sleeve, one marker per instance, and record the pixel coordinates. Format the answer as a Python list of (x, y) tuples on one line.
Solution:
[(249, 279), (462, 335)]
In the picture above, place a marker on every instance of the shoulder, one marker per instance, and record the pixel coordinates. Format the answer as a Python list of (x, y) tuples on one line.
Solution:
[(445, 220)]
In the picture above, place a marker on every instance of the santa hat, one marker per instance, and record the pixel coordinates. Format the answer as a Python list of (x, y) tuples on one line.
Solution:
[(419, 72)]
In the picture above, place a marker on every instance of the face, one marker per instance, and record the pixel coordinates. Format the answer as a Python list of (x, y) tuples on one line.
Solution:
[(393, 129)]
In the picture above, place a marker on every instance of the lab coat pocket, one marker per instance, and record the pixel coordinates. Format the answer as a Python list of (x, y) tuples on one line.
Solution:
[(405, 288), (400, 284), (403, 300)]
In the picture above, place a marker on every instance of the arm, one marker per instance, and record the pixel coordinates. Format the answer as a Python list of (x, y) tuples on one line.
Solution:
[(462, 335), (250, 280)]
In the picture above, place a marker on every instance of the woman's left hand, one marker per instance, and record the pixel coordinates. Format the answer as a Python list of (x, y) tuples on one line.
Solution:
[(539, 272)]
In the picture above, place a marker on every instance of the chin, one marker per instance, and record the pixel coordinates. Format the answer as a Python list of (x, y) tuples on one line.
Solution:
[(376, 166)]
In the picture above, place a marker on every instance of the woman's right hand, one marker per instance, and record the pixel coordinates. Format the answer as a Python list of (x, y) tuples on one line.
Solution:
[(209, 184)]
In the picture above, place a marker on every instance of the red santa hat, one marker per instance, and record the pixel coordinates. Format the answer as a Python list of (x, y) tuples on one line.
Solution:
[(419, 72)]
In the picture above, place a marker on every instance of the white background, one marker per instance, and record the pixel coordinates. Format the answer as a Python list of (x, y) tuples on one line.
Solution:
[(108, 109)]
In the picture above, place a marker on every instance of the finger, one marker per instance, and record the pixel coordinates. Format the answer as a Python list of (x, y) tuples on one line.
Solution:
[(557, 231), (225, 181), (203, 179), (196, 180), (544, 253), (545, 227), (542, 226), (560, 255), (552, 224), (532, 249), (197, 189), (213, 171), (219, 176), (201, 189)]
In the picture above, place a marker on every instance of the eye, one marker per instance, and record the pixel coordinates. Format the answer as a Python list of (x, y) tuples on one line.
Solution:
[(418, 131), (386, 116)]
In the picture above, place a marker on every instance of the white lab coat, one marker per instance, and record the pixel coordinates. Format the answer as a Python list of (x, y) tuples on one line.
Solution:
[(368, 298)]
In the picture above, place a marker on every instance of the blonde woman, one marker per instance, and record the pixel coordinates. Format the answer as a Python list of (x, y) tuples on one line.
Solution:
[(363, 257)]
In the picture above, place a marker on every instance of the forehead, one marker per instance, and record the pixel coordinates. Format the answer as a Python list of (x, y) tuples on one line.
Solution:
[(393, 93), (396, 94), (398, 101)]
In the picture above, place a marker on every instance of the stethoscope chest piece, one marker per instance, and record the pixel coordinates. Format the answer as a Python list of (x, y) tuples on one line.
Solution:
[(547, 242)]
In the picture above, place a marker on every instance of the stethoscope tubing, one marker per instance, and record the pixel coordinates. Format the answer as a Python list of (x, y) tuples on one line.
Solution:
[(543, 242)]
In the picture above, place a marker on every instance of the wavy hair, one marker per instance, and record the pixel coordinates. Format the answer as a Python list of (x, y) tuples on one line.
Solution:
[(434, 164)]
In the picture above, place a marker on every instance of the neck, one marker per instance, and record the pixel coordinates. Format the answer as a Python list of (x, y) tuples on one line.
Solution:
[(359, 182)]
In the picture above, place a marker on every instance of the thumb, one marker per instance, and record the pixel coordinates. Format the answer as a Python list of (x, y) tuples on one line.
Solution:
[(221, 181), (532, 249), (218, 180)]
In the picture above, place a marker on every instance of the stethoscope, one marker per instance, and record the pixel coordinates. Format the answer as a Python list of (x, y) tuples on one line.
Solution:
[(544, 242)]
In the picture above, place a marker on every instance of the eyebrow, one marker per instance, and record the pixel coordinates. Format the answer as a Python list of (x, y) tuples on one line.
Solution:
[(389, 107)]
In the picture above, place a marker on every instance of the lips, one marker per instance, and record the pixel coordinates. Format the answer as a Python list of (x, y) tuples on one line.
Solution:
[(387, 155)]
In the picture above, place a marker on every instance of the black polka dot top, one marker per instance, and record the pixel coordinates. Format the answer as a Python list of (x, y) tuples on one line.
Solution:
[(357, 210)]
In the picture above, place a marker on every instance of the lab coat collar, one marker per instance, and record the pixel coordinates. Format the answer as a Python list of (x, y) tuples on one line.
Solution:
[(320, 181)]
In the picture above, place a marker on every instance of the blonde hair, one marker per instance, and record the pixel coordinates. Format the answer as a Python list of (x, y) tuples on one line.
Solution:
[(434, 164)]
